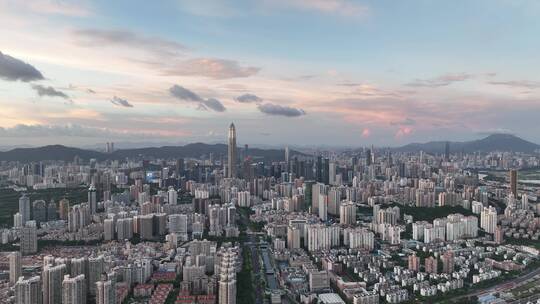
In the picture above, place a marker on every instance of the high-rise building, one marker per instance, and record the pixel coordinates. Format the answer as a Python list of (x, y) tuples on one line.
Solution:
[(227, 278), (293, 237), (431, 264), (287, 155), (414, 262), (52, 283), (28, 291), (347, 213), (105, 293), (15, 267), (24, 208), (28, 239), (448, 262), (92, 199), (232, 152), (513, 182), (63, 208), (108, 229), (74, 290), (95, 269), (488, 219), (172, 196)]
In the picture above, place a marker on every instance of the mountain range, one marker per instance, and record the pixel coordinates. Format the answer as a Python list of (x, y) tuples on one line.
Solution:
[(495, 142), (491, 143), (195, 150)]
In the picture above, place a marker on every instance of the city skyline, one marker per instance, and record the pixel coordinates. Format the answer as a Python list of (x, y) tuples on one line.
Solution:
[(338, 72)]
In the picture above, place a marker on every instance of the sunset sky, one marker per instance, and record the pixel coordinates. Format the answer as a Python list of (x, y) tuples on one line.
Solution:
[(298, 72)]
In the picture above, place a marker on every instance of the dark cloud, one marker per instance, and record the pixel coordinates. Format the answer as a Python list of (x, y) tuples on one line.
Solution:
[(249, 98), (517, 84), (155, 45), (121, 102), (184, 94), (440, 81), (274, 109), (13, 69), (214, 104), (49, 91), (406, 122)]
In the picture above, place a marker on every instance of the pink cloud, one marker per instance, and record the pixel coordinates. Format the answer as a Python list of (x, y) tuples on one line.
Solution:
[(403, 131), (366, 132)]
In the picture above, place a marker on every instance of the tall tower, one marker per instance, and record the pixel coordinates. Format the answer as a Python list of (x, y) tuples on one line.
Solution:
[(92, 200), (232, 151), (513, 182)]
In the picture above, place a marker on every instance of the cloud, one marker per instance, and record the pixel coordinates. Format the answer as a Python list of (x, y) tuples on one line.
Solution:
[(184, 94), (121, 102), (406, 122), (168, 57), (207, 67), (249, 98), (48, 91), (440, 81), (214, 104), (338, 7), (274, 109), (81, 131), (517, 84), (59, 7), (154, 45), (13, 69), (403, 132), (366, 132)]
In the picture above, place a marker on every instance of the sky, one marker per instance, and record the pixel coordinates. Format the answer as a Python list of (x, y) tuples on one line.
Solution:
[(286, 72)]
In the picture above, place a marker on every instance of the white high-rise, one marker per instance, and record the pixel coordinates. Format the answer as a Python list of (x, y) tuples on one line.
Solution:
[(172, 196), (488, 219), (28, 291), (227, 278), (74, 290), (347, 213), (15, 268)]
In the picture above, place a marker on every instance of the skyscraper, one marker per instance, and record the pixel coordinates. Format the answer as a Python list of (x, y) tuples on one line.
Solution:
[(24, 208), (92, 200), (447, 151), (15, 268), (232, 152), (513, 182)]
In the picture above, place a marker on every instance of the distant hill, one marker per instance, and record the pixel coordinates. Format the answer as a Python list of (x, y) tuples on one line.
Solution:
[(494, 142), (59, 152)]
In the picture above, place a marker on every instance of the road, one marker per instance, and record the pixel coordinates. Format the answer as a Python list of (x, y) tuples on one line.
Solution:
[(502, 286)]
